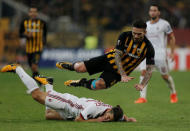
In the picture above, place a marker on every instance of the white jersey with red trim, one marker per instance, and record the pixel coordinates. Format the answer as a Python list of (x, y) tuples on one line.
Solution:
[(157, 34), (70, 106)]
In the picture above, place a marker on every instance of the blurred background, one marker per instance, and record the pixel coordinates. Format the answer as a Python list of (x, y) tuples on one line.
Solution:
[(80, 29)]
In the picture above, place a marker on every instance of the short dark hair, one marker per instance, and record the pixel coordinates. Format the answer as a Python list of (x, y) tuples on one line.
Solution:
[(117, 113), (139, 24), (157, 5), (33, 7)]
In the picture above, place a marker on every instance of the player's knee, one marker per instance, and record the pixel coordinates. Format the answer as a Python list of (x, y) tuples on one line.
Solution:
[(165, 77), (143, 72), (34, 67), (80, 67), (38, 96), (100, 84)]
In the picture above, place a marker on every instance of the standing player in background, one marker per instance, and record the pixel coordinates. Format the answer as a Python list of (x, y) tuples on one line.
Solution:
[(34, 30), (158, 30)]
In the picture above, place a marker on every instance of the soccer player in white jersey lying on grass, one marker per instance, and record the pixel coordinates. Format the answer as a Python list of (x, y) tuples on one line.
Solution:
[(66, 106)]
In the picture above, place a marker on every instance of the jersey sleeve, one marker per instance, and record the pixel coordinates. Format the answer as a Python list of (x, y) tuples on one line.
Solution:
[(88, 112), (121, 42), (150, 56), (167, 28)]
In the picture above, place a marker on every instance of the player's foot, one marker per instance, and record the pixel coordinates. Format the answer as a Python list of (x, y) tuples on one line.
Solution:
[(173, 98), (44, 80), (75, 83), (140, 100), (9, 68), (65, 65)]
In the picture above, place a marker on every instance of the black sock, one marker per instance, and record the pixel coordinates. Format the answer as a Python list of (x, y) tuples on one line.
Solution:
[(72, 67), (35, 74), (86, 83)]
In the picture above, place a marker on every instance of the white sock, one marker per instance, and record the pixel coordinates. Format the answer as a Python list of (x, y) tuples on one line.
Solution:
[(171, 84), (143, 92), (29, 82), (49, 87)]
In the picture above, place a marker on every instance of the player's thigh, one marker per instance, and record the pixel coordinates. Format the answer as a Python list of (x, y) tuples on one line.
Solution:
[(96, 64), (55, 100), (35, 58), (162, 66), (110, 78)]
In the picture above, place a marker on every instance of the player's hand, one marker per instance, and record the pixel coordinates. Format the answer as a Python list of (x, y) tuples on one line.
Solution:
[(131, 119), (29, 34), (100, 119), (125, 78), (139, 87), (171, 56)]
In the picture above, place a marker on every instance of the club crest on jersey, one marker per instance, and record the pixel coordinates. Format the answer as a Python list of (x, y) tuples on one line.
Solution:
[(139, 51)]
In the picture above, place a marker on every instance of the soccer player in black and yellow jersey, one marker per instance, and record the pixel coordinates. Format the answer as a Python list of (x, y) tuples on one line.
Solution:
[(34, 30), (131, 49)]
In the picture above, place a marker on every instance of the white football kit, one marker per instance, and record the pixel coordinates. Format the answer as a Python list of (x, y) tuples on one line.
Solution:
[(157, 34), (70, 106)]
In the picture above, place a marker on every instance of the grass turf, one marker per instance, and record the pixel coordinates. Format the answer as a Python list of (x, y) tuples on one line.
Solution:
[(18, 112)]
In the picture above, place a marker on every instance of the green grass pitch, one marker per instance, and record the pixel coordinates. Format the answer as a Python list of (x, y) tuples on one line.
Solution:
[(19, 112)]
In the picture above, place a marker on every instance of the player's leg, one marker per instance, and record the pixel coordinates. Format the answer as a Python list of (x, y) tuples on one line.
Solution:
[(77, 66), (30, 83), (106, 80), (162, 66), (92, 66), (35, 58), (50, 113), (142, 98), (170, 82)]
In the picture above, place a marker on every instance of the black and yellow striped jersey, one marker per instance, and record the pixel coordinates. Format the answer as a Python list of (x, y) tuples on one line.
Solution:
[(133, 53), (38, 31)]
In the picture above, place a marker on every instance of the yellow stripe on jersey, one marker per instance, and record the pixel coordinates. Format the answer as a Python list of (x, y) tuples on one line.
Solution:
[(126, 41), (130, 45), (30, 40), (38, 36), (25, 27), (112, 61), (34, 37), (139, 61), (111, 55), (41, 40), (133, 52)]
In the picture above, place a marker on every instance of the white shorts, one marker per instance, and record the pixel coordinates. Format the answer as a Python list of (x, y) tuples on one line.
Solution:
[(161, 66)]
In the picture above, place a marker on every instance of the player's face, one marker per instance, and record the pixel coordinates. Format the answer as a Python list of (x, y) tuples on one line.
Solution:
[(33, 13), (138, 34), (108, 116), (154, 12)]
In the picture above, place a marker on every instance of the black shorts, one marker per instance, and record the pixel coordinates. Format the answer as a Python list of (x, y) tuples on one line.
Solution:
[(34, 58), (100, 64)]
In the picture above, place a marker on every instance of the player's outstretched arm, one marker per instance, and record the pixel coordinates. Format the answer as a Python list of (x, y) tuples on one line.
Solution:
[(124, 77), (147, 77), (131, 119), (80, 119)]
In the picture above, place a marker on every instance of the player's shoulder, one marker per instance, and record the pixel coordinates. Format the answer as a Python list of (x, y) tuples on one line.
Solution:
[(26, 18), (41, 20), (163, 21)]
